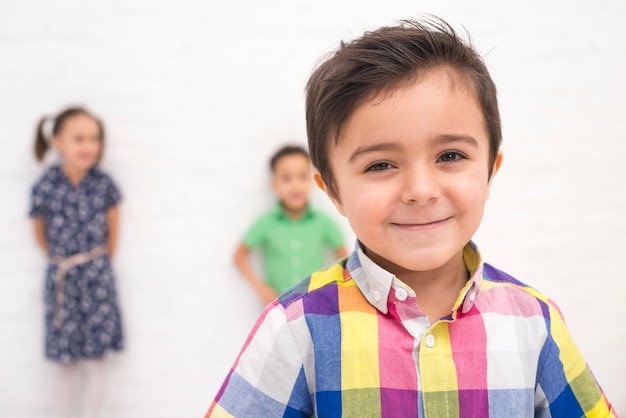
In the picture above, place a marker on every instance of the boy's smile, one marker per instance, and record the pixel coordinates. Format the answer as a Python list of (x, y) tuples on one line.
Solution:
[(411, 173)]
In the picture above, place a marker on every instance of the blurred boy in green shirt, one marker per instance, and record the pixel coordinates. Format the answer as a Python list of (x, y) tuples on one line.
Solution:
[(292, 236)]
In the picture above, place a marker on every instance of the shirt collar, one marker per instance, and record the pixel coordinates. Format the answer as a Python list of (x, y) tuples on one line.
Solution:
[(62, 177), (375, 282), (279, 211)]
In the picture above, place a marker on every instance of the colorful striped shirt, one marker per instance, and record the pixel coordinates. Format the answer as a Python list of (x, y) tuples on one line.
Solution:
[(351, 341)]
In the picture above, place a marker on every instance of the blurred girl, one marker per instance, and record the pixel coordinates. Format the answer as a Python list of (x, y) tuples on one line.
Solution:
[(75, 211)]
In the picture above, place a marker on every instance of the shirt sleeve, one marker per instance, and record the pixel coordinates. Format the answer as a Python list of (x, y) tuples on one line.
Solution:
[(566, 386), (37, 203), (255, 236), (332, 234), (112, 195), (267, 379)]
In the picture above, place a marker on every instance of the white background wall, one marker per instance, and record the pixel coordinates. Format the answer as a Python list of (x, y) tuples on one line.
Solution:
[(197, 94)]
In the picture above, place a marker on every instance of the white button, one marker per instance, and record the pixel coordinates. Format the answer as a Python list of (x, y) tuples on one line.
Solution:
[(401, 294), (295, 261), (376, 295), (295, 244), (430, 340)]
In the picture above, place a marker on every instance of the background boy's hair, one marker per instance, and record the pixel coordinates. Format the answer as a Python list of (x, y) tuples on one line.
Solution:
[(380, 61), (42, 144), (287, 150)]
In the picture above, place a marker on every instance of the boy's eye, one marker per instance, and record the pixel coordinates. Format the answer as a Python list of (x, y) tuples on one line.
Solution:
[(450, 156), (380, 166)]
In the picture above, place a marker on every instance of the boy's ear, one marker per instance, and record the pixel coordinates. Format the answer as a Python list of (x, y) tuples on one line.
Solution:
[(496, 164), (319, 181), (322, 185)]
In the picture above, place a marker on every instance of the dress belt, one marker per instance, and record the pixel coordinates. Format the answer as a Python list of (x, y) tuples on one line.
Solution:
[(64, 265)]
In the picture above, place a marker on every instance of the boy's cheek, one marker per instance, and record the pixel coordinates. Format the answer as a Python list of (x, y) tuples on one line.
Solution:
[(335, 199)]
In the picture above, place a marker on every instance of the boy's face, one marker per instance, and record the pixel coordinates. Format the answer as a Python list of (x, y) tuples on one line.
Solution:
[(411, 173), (292, 181)]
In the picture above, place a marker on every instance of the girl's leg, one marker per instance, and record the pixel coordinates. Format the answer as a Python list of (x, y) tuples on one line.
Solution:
[(64, 390), (95, 375)]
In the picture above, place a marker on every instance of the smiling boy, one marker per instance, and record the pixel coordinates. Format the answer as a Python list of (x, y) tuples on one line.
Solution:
[(411, 173), (404, 129)]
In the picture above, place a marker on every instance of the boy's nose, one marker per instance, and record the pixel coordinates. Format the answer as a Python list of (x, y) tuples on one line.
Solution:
[(420, 186)]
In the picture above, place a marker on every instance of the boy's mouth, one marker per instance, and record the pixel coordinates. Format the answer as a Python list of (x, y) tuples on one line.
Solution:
[(421, 225)]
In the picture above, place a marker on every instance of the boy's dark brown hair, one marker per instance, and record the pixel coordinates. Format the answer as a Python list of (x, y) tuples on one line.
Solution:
[(42, 143), (285, 151), (381, 61)]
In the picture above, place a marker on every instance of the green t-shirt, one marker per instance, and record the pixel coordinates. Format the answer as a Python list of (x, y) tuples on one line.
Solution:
[(292, 249)]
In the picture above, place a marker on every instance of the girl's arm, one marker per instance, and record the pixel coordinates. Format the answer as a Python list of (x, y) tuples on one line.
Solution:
[(40, 234), (113, 226), (265, 292)]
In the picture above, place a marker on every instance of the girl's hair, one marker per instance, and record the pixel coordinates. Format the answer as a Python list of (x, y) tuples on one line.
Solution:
[(42, 143)]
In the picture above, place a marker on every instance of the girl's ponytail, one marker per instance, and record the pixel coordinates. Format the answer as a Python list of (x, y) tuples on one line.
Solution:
[(41, 144)]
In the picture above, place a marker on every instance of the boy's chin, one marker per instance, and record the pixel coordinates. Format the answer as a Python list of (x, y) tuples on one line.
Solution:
[(294, 206), (413, 263)]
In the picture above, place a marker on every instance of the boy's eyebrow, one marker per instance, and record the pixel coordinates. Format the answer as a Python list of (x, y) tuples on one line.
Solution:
[(390, 146), (446, 139), (364, 149)]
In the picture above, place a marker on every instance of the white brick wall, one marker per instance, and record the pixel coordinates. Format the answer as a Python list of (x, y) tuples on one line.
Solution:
[(197, 94)]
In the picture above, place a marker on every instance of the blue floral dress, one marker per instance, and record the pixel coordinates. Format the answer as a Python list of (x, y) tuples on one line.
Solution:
[(86, 324)]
